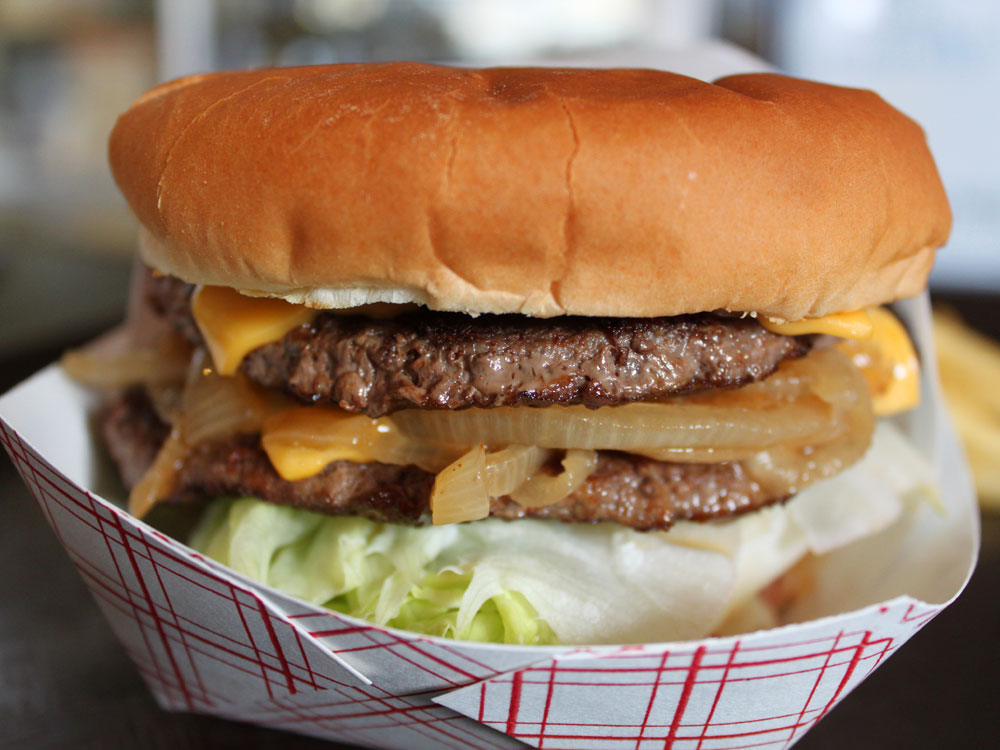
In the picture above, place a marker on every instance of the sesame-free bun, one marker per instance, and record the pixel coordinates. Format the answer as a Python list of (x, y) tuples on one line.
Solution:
[(539, 191)]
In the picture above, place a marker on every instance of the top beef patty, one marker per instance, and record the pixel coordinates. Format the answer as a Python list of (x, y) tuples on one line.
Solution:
[(436, 360)]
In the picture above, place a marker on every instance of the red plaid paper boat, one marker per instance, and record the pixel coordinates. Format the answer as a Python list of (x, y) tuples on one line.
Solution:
[(208, 640)]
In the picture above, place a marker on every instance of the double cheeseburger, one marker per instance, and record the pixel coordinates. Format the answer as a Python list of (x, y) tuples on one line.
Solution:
[(503, 354)]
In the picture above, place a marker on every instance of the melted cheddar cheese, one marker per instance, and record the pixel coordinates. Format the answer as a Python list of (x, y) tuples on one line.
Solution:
[(878, 345), (302, 441), (845, 325), (233, 324), (889, 363)]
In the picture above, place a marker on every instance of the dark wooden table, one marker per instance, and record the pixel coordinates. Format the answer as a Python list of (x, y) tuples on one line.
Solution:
[(64, 682)]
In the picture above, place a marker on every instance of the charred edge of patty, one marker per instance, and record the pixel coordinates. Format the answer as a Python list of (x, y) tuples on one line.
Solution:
[(630, 490)]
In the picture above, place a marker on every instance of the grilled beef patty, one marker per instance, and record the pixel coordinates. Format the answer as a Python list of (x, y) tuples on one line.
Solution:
[(435, 360), (629, 490), (133, 432)]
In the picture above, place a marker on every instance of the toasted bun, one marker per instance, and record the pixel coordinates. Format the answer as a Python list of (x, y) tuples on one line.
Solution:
[(539, 191)]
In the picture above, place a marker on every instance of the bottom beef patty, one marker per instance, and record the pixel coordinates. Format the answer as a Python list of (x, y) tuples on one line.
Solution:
[(630, 490)]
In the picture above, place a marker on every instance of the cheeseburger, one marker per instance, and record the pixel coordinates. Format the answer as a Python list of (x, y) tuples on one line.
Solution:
[(521, 355)]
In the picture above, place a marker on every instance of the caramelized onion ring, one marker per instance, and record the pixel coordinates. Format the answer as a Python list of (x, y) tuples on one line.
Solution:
[(540, 490), (462, 490)]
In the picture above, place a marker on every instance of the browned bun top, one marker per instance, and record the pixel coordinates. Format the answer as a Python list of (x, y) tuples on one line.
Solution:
[(541, 191)]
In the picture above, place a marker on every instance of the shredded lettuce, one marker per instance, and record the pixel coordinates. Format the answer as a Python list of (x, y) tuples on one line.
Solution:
[(392, 575), (540, 582), (529, 582)]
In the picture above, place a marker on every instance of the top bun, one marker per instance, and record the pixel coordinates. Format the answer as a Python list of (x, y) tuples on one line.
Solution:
[(537, 191)]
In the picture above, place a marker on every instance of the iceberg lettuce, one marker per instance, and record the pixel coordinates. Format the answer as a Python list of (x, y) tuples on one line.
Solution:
[(541, 582)]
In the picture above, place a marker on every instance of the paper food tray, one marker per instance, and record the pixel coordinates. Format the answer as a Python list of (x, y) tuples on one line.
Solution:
[(207, 640)]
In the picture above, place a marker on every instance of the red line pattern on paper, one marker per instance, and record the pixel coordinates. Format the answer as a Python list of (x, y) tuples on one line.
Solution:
[(205, 641)]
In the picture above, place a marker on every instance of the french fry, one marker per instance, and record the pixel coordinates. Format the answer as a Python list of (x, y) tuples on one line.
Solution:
[(969, 364), (987, 476)]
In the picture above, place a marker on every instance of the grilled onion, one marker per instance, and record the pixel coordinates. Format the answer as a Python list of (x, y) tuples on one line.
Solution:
[(459, 492), (462, 490), (540, 490), (508, 469), (631, 427), (788, 468), (214, 407), (113, 363), (158, 480)]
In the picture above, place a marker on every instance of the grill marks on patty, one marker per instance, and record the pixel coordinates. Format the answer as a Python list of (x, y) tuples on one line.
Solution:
[(434, 360), (630, 490)]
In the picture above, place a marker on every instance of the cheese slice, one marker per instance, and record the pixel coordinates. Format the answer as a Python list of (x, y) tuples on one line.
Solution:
[(233, 325), (845, 325), (302, 441), (878, 345), (889, 363)]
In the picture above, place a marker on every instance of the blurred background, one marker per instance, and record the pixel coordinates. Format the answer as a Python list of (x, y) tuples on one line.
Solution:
[(68, 67)]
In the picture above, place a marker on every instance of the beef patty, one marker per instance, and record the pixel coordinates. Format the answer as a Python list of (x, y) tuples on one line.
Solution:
[(626, 489), (435, 360)]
